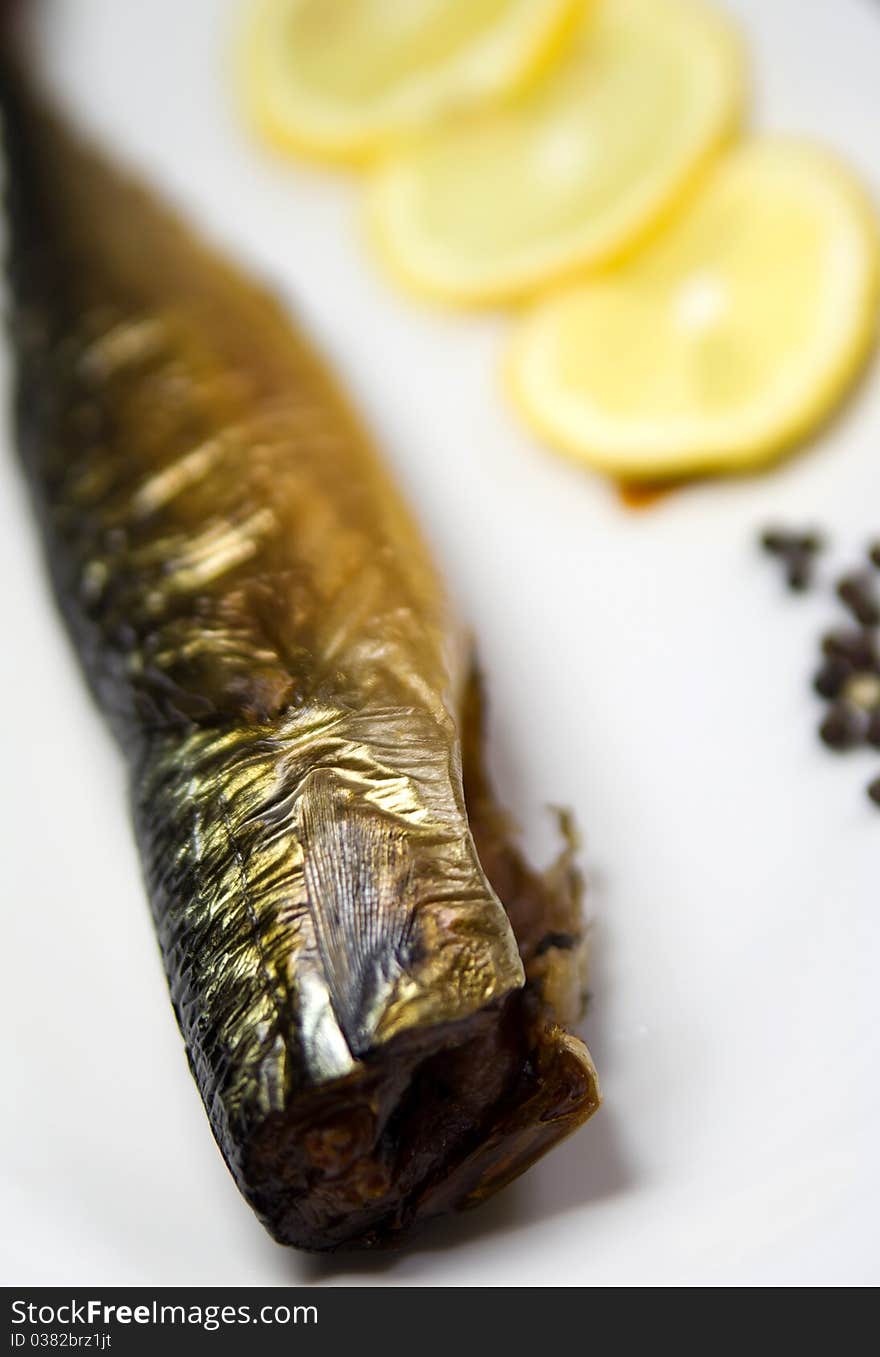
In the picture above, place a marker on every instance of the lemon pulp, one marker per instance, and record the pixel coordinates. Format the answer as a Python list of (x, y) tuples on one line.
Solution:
[(575, 170), (734, 332), (339, 78)]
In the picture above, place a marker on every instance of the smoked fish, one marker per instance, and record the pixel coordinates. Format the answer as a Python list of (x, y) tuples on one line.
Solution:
[(372, 985)]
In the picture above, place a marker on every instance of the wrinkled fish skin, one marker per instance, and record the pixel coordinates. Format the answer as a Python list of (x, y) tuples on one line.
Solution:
[(375, 1036)]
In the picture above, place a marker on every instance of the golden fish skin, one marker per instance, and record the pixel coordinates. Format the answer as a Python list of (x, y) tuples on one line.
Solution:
[(376, 1037)]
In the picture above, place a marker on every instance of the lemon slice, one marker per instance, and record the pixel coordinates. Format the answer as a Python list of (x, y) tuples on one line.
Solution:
[(731, 335), (571, 173), (339, 78)]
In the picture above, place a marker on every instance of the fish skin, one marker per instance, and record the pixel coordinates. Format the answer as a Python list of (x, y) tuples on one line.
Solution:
[(260, 623)]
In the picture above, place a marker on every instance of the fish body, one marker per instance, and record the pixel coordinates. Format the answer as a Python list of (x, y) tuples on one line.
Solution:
[(376, 1036)]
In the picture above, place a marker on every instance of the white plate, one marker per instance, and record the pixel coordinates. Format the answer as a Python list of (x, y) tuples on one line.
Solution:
[(646, 669)]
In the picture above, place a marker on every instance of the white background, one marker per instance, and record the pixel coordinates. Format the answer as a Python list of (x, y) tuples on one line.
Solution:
[(646, 669)]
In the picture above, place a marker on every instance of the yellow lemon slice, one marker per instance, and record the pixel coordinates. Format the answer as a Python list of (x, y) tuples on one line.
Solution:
[(339, 78), (572, 172), (729, 336)]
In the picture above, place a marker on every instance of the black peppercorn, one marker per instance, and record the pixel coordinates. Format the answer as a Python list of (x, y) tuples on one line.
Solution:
[(831, 678), (796, 550), (856, 592), (842, 729), (872, 730), (856, 647), (774, 540)]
